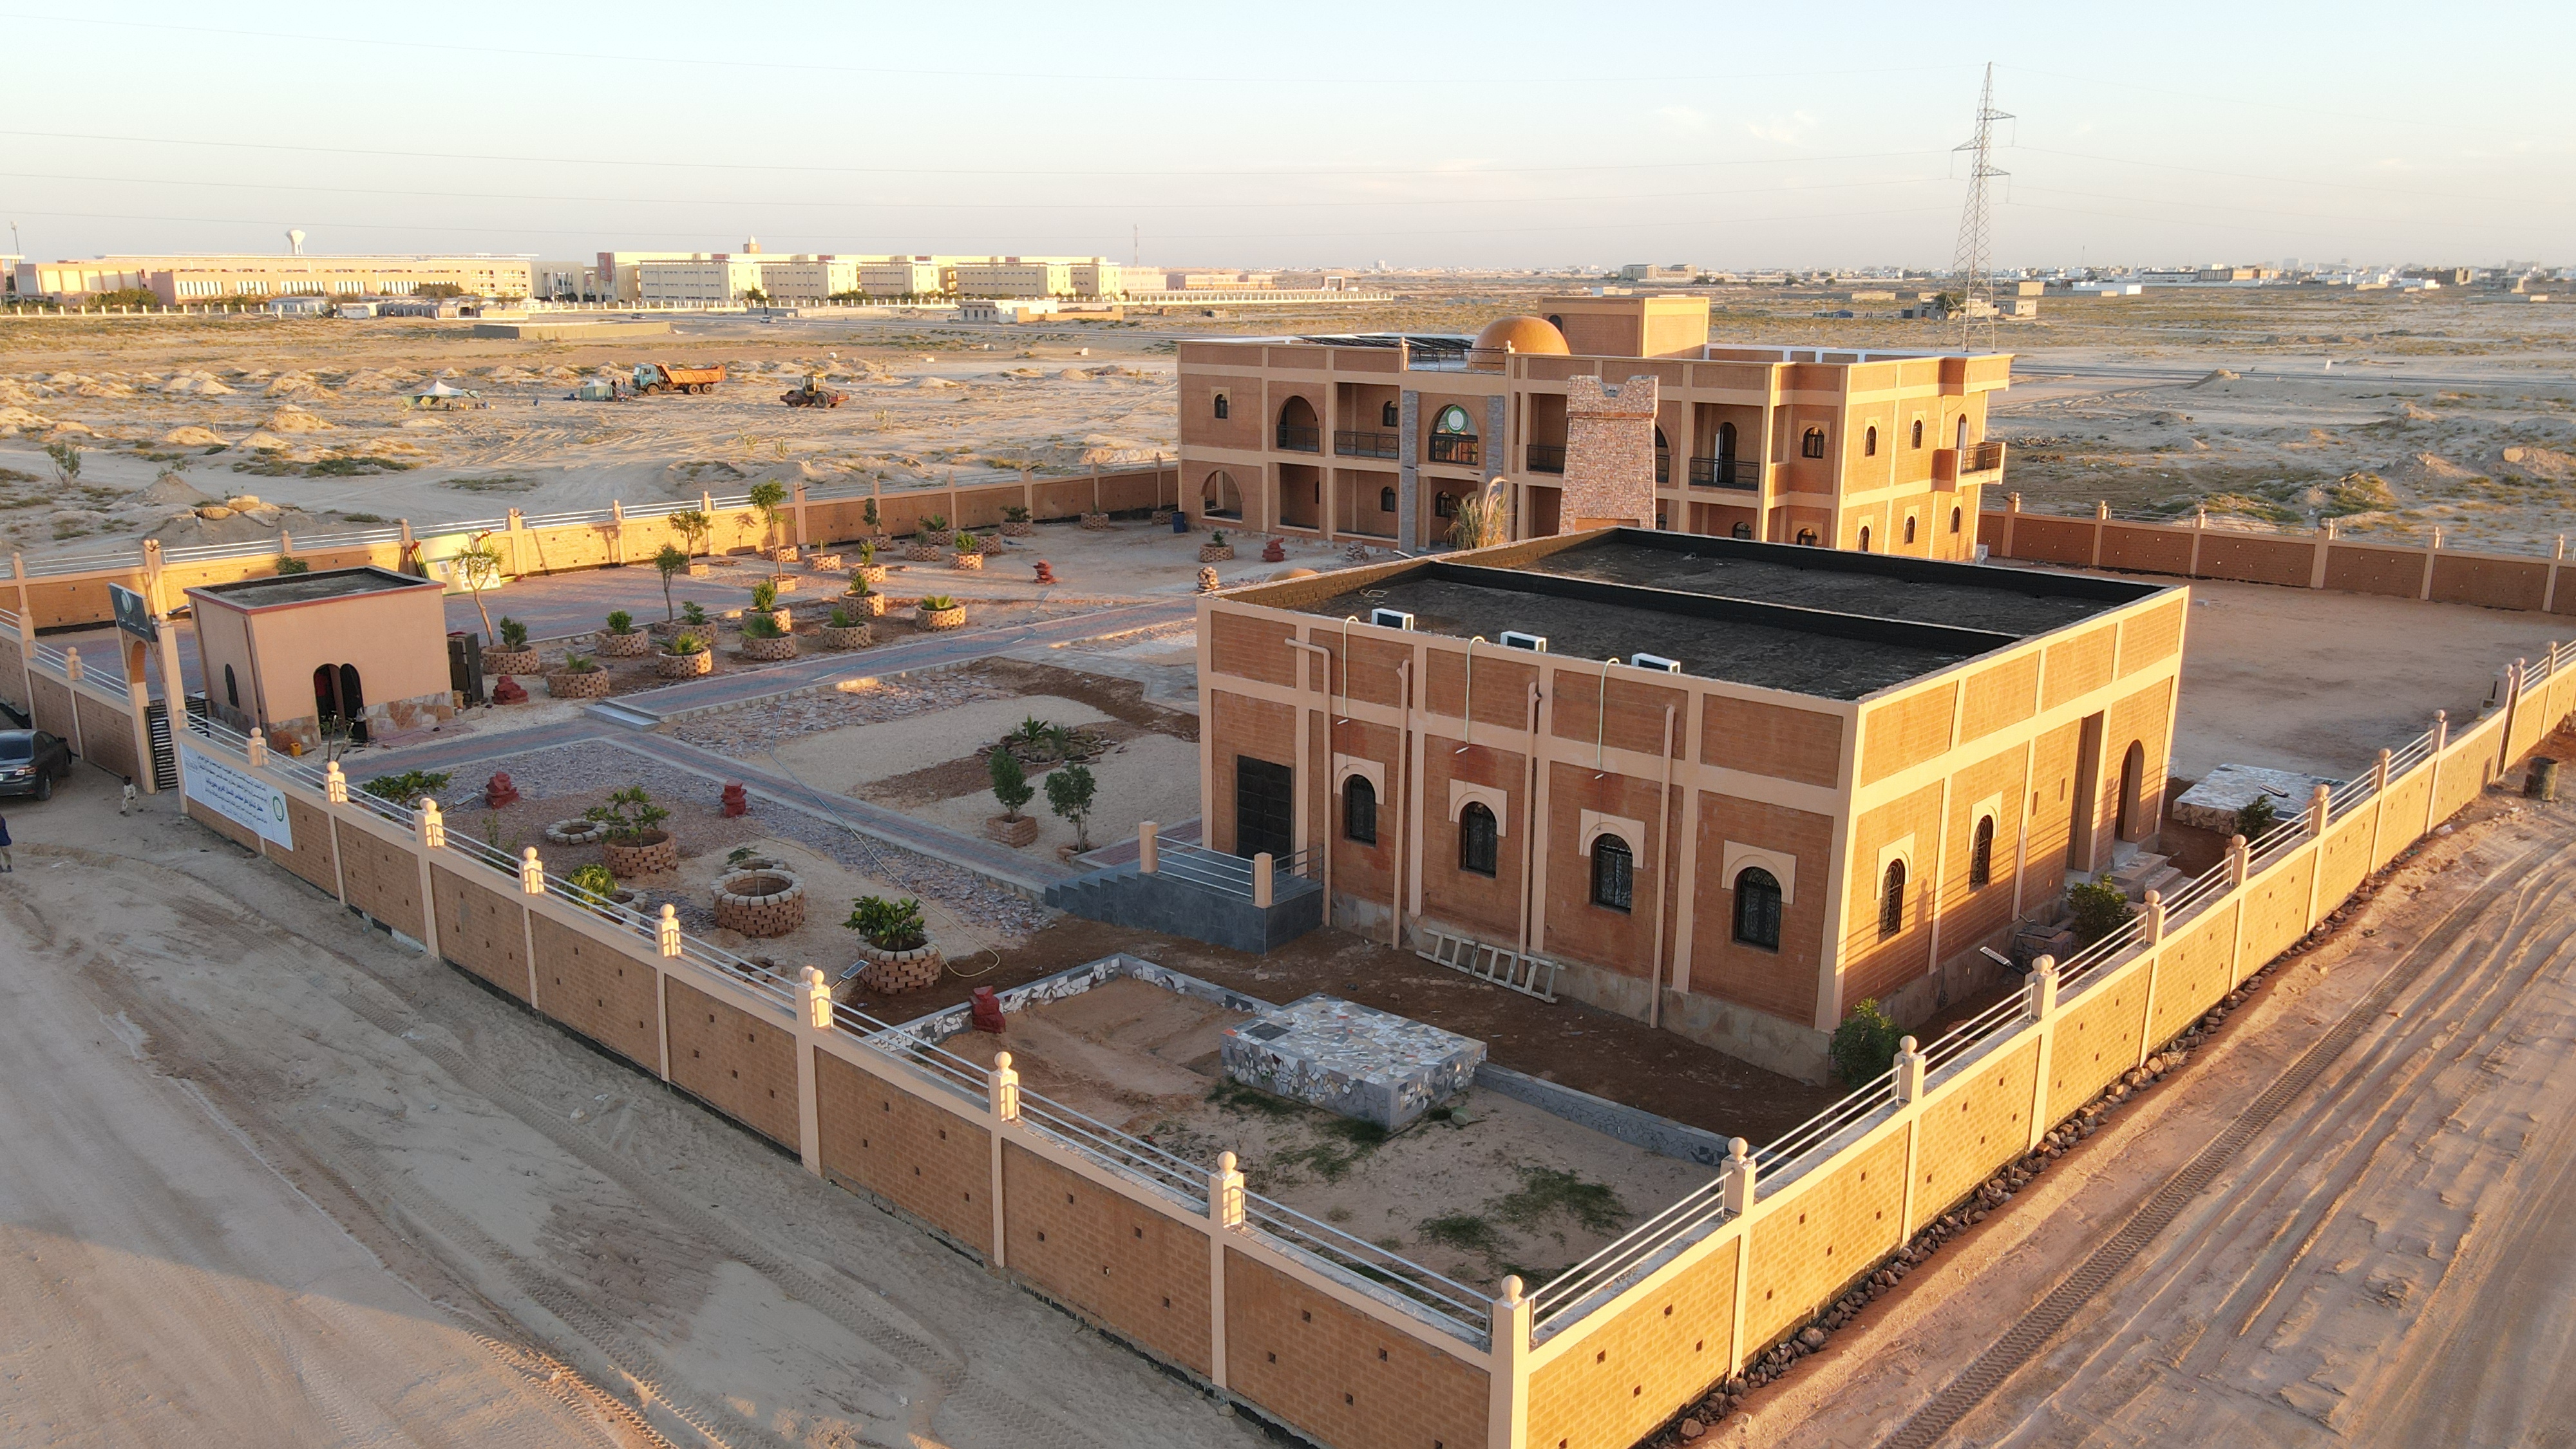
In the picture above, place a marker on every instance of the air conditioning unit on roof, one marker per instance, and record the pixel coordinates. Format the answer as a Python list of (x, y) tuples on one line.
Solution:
[(1515, 639), (1654, 661), (1391, 618)]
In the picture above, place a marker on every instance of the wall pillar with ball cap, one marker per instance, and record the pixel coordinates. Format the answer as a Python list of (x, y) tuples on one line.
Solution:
[(1609, 454)]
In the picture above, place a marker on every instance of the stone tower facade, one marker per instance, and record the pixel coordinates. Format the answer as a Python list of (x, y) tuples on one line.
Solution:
[(1609, 453)]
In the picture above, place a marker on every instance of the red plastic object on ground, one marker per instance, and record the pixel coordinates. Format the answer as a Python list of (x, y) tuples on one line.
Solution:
[(737, 801), (498, 791), (987, 1010), (1274, 552), (1046, 575), (509, 691)]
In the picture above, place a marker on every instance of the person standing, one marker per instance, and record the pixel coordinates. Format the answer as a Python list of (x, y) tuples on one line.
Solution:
[(5, 866)]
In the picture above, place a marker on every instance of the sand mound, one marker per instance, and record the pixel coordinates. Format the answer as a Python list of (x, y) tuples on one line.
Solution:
[(193, 436), (932, 384), (2169, 419), (217, 524), (1095, 450), (170, 490), (2534, 462), (264, 441), (92, 387), (195, 384), (2430, 468), (14, 394), (295, 420), (2216, 375), (65, 431), (19, 420), (375, 380), (2414, 414)]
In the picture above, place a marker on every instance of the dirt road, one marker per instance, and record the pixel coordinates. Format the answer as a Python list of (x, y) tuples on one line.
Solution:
[(2384, 1253), (273, 1179)]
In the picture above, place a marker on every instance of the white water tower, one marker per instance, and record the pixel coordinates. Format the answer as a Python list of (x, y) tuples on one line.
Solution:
[(295, 242)]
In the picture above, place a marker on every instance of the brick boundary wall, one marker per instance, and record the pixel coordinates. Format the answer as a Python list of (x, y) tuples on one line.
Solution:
[(2319, 560), (1188, 1269), (70, 593)]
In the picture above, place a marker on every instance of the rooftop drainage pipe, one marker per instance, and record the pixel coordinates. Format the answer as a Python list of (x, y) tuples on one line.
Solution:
[(1663, 853)]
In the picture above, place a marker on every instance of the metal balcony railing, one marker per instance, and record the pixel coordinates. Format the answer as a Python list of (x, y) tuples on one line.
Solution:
[(1459, 448), (1725, 473), (1545, 457), (1983, 457), (1353, 444), (1295, 439), (1663, 465)]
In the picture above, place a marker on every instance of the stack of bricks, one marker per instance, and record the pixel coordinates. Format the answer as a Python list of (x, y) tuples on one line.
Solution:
[(1609, 453), (760, 903)]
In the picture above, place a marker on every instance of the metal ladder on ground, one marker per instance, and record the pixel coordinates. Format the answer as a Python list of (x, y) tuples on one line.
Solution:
[(1528, 974), (165, 756)]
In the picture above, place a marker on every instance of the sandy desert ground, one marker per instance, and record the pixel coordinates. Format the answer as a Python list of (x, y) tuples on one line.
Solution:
[(276, 1180)]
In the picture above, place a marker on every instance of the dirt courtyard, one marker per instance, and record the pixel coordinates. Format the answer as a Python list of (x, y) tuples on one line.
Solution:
[(279, 1181)]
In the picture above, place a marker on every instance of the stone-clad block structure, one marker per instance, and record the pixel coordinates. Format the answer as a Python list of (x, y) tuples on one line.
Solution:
[(1609, 454)]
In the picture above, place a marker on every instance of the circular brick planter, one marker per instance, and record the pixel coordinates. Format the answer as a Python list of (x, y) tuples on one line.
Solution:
[(1023, 831), (783, 555), (922, 553), (941, 618), (786, 582), (684, 666), (1095, 521), (967, 561), (510, 661), (576, 832), (1018, 528), (873, 574), (768, 651), (1163, 517), (633, 644), (782, 616), (891, 973), (873, 605), (587, 684), (825, 563), (856, 636), (655, 854), (1216, 553), (700, 569), (760, 902)]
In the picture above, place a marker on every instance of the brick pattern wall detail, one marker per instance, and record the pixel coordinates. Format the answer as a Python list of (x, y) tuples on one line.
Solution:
[(742, 1065), (597, 990), (886, 1141), (481, 929), (1338, 1376), (1609, 451), (311, 857), (1108, 1257), (1621, 1381), (383, 879)]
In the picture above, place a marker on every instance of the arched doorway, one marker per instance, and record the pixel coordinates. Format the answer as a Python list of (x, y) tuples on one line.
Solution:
[(1220, 497), (2133, 773), (1453, 437), (338, 696), (1298, 430)]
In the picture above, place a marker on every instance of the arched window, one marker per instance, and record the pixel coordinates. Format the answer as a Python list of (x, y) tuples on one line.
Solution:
[(1478, 840), (1869, 442), (1963, 432), (1221, 405), (1757, 908), (1452, 419), (1445, 505), (1909, 528), (1813, 444), (1807, 536), (232, 688), (1891, 901), (1981, 853), (1743, 530), (1864, 538), (1386, 500), (1918, 432), (1614, 873), (1555, 321), (1726, 441), (1359, 810), (1954, 520), (1390, 416)]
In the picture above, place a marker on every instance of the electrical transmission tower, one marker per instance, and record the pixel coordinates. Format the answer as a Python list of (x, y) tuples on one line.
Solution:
[(1974, 264)]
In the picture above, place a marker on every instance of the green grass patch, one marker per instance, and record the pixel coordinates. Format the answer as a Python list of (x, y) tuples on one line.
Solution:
[(1466, 1232), (1546, 1192), (494, 483), (357, 467), (1236, 1097)]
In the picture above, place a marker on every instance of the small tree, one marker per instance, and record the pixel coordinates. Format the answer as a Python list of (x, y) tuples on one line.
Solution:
[(514, 635), (889, 925), (694, 527), (2256, 817), (673, 561), (478, 567), (769, 496), (1864, 1046), (630, 815), (66, 457), (1069, 793), (870, 514), (1010, 782)]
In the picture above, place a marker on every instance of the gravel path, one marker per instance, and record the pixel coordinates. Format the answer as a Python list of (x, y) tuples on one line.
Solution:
[(876, 702)]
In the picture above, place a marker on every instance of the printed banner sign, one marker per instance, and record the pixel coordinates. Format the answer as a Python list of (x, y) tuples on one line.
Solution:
[(234, 793)]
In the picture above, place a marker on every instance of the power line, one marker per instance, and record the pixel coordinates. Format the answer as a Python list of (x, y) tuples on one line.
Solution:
[(659, 164), (1972, 263)]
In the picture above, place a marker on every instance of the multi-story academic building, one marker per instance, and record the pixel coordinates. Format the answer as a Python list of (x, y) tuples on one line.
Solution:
[(1376, 437)]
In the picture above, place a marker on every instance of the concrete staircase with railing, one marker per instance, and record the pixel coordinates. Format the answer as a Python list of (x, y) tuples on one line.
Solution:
[(1184, 890), (2137, 870)]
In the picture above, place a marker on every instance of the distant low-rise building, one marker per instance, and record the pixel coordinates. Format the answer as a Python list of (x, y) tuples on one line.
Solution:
[(719, 279), (183, 280)]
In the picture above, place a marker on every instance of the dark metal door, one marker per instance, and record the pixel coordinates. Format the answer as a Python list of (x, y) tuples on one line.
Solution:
[(1264, 808)]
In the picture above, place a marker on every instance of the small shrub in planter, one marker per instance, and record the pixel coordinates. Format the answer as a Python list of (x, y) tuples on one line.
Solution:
[(1216, 549), (1012, 790), (408, 787), (636, 843), (1016, 522), (514, 656), (895, 944), (940, 611), (580, 678), (764, 640), (621, 639), (925, 544), (1096, 522), (863, 600), (764, 604), (970, 551), (685, 657), (848, 631)]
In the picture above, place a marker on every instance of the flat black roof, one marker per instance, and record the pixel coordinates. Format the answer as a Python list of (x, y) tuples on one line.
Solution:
[(311, 588), (1812, 621)]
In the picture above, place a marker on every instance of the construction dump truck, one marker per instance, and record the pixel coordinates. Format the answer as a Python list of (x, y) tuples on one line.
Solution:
[(662, 377), (811, 393)]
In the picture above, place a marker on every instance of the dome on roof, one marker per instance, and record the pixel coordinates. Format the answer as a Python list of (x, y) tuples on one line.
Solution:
[(1522, 334)]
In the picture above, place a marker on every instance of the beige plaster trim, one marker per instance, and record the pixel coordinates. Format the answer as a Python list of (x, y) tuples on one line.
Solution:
[(1345, 766), (1782, 866), (1901, 848), (1593, 824), (1492, 797)]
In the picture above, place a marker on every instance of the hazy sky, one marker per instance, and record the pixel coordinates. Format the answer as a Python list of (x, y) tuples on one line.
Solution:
[(1474, 135)]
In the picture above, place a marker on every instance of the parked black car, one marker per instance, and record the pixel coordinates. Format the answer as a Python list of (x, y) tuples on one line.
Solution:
[(31, 761)]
